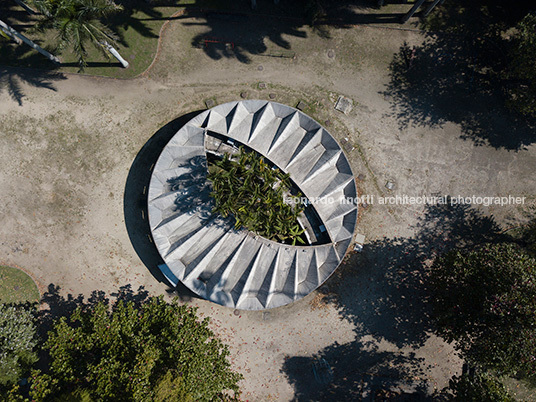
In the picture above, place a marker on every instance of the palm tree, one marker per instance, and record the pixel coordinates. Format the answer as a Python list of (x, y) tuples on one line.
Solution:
[(247, 188), (79, 22), (9, 32)]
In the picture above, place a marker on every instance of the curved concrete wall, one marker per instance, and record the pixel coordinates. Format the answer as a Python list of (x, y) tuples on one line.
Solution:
[(237, 268)]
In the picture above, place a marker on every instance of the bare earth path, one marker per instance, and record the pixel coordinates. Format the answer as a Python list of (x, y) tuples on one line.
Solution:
[(67, 156)]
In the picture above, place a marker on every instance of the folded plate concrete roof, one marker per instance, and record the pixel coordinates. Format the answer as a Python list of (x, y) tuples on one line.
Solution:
[(237, 268)]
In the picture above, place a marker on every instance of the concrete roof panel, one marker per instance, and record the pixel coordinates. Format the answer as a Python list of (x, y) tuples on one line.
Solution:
[(233, 267)]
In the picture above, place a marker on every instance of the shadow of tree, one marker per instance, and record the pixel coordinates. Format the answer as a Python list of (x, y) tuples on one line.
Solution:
[(16, 16), (135, 200), (127, 19), (360, 371), (443, 81), (234, 30), (13, 79), (383, 292), (54, 305), (240, 33), (389, 276)]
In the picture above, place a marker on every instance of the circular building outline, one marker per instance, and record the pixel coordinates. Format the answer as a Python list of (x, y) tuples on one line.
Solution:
[(237, 268)]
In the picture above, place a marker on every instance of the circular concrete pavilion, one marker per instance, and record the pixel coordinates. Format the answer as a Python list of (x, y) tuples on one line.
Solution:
[(237, 268)]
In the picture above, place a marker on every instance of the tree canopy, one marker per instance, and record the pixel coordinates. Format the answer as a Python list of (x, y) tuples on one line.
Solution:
[(154, 351), (485, 299), (17, 342), (522, 96), (500, 40), (477, 388)]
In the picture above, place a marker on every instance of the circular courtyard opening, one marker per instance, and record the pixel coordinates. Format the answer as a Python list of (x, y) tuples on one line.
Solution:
[(236, 267)]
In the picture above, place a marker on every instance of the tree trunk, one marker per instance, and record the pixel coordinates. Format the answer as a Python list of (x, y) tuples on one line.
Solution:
[(116, 54), (11, 32), (412, 11), (253, 4), (431, 7), (28, 9), (9, 35)]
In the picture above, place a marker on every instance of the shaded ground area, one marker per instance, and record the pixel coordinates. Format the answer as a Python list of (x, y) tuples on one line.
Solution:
[(359, 371), (135, 201), (268, 30), (436, 83), (231, 30), (11, 81), (397, 267), (383, 292)]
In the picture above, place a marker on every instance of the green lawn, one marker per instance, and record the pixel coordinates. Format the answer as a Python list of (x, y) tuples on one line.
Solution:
[(138, 28), (16, 286)]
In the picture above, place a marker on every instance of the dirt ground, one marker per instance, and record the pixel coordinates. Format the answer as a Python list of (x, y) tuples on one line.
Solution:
[(75, 160)]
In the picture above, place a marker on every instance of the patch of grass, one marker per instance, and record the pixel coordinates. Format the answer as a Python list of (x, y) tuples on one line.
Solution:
[(16, 286), (138, 27)]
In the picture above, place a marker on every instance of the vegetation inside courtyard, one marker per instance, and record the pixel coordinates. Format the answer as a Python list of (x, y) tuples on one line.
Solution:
[(247, 188), (147, 350)]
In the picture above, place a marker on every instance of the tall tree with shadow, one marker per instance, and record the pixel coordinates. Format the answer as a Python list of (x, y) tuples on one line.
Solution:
[(78, 22), (129, 347), (485, 300), (383, 291), (465, 72)]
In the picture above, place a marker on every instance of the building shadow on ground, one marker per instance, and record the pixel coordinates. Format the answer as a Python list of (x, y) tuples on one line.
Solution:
[(383, 292), (135, 201)]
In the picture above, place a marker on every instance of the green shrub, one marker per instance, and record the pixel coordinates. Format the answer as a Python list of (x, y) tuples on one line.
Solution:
[(155, 351), (478, 388), (17, 342)]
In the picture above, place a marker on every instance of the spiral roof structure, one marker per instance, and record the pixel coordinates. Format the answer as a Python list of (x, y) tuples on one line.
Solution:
[(237, 268)]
